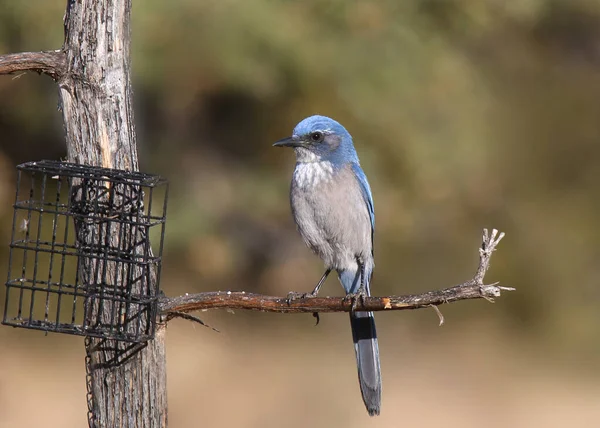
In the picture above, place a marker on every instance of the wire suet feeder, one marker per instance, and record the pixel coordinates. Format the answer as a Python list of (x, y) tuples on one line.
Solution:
[(80, 256)]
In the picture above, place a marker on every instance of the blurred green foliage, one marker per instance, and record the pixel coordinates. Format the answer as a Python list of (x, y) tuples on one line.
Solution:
[(466, 114)]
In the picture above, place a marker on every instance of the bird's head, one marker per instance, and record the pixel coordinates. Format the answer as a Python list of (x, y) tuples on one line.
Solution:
[(319, 138)]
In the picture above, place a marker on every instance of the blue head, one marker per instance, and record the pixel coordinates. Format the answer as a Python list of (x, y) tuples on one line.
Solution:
[(319, 138)]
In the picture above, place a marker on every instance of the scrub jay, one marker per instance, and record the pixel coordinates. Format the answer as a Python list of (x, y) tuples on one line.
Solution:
[(333, 209)]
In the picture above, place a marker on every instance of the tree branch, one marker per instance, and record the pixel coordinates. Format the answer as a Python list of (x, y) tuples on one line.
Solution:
[(472, 289), (52, 63)]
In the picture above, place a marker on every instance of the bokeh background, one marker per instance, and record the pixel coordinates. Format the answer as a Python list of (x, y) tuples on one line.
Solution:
[(466, 114)]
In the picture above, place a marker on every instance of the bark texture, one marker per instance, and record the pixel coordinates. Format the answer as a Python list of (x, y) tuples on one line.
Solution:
[(127, 383)]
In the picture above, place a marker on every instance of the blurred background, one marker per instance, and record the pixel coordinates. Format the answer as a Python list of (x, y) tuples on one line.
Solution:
[(466, 114)]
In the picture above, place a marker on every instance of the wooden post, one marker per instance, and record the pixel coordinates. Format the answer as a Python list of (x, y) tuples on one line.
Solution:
[(97, 108)]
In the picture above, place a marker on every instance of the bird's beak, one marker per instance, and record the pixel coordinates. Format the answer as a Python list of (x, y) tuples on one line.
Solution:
[(288, 142)]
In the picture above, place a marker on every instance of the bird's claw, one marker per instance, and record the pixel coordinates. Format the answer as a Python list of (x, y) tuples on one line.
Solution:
[(355, 297)]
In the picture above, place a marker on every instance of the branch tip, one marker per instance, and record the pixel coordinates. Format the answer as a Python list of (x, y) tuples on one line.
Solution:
[(189, 317)]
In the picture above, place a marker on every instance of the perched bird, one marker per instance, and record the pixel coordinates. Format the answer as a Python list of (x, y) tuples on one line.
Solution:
[(333, 209)]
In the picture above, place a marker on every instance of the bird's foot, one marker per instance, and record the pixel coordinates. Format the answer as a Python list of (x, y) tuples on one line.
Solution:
[(355, 297), (294, 295)]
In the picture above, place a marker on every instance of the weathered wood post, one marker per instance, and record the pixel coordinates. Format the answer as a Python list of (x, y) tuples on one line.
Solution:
[(97, 107)]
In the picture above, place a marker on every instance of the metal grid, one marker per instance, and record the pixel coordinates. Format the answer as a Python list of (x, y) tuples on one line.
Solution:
[(80, 255)]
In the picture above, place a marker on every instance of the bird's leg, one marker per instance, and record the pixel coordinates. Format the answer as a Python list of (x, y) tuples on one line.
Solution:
[(320, 283), (293, 295), (361, 293)]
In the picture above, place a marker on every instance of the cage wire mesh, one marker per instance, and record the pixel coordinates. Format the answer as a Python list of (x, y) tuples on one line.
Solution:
[(80, 258)]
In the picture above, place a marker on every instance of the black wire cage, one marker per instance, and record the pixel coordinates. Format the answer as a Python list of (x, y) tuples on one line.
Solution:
[(80, 258)]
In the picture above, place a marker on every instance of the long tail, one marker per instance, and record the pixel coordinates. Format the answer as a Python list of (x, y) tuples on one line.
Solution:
[(366, 348)]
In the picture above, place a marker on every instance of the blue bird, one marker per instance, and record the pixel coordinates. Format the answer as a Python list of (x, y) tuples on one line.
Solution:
[(332, 206)]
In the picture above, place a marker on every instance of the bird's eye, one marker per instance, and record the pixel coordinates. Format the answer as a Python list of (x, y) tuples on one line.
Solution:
[(316, 136)]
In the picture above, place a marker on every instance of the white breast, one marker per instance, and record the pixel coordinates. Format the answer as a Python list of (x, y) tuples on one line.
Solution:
[(311, 174)]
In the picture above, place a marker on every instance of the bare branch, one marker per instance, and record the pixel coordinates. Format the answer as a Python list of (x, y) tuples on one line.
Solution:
[(472, 289), (52, 63)]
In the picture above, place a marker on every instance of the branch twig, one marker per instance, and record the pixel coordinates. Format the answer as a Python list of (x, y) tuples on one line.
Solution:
[(52, 63), (472, 289), (183, 315)]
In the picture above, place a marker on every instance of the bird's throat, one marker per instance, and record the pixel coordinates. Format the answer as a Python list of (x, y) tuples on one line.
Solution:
[(311, 174)]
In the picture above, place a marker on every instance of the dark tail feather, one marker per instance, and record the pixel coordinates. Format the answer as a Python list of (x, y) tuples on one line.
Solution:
[(367, 359)]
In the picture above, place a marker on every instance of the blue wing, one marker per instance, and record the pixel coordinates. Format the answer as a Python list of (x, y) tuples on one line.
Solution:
[(367, 196)]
